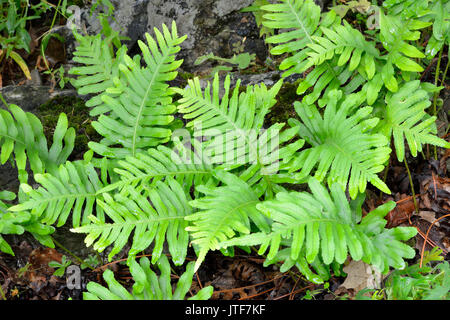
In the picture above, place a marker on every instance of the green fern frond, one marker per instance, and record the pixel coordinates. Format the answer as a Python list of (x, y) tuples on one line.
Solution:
[(145, 169), (99, 66), (320, 225), (274, 150), (394, 34), (140, 102), (233, 111), (405, 118), (347, 43), (22, 133), (19, 222), (147, 286), (301, 25), (229, 125), (341, 146), (71, 189), (224, 211), (300, 19), (156, 214)]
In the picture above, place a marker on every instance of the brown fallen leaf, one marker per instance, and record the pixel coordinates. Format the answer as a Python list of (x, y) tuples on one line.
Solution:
[(359, 276), (401, 213)]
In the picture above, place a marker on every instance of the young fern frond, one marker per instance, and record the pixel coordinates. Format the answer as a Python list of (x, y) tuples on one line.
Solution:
[(22, 133), (147, 286), (140, 103), (342, 149), (71, 189), (19, 222), (99, 67), (320, 225), (405, 118), (224, 211), (155, 215)]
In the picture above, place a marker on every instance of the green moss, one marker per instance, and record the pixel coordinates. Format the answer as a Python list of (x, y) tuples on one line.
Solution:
[(283, 110), (78, 117)]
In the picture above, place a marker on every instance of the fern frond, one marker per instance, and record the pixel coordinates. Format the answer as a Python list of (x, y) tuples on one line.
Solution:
[(301, 25), (22, 133), (19, 222), (320, 225), (224, 211), (99, 66), (233, 111), (348, 44), (274, 149), (229, 125), (341, 148), (147, 286), (154, 215), (140, 102), (71, 189), (394, 34), (300, 19), (145, 169), (405, 118)]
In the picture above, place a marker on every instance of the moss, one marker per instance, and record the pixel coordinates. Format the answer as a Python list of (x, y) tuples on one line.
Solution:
[(78, 117), (283, 110)]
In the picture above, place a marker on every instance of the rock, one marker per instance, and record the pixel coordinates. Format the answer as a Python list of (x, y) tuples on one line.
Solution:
[(28, 97), (214, 26)]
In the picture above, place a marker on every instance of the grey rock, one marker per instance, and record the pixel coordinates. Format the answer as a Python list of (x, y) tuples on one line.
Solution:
[(215, 26), (29, 97)]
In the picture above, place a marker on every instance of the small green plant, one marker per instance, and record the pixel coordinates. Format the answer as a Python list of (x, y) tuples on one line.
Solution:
[(255, 8), (242, 61), (60, 266), (14, 15), (429, 282)]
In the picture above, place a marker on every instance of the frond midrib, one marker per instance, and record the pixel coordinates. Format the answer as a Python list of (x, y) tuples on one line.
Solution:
[(147, 93), (105, 226), (223, 218)]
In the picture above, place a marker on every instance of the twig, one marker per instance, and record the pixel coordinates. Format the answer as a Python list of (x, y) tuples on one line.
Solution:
[(295, 292), (258, 294), (250, 286), (426, 237)]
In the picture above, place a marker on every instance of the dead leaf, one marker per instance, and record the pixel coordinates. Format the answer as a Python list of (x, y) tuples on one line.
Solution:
[(360, 276), (429, 216), (401, 213)]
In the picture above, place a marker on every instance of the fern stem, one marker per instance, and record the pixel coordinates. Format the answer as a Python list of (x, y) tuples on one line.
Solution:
[(412, 185), (436, 79), (445, 71), (72, 254), (4, 101), (443, 80), (386, 170), (2, 293)]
